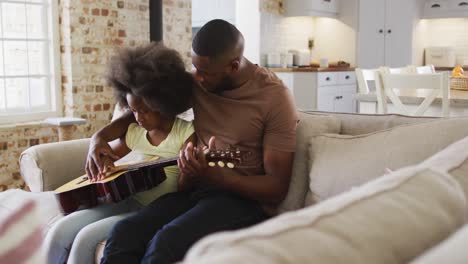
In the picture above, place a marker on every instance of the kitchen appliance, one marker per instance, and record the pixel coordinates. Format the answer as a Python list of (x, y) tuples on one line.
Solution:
[(301, 57), (273, 60), (440, 56)]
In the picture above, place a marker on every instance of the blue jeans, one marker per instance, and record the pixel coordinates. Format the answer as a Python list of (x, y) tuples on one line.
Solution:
[(73, 239), (163, 231)]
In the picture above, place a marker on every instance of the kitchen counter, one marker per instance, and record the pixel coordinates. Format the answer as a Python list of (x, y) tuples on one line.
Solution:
[(465, 68), (458, 98), (312, 69)]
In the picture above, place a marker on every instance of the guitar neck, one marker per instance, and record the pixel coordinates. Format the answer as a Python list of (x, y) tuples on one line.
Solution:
[(158, 163)]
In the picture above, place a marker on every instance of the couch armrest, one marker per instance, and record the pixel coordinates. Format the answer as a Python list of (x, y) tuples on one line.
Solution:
[(46, 167)]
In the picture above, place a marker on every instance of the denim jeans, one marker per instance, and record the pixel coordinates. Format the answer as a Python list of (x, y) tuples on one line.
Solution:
[(73, 239), (163, 231)]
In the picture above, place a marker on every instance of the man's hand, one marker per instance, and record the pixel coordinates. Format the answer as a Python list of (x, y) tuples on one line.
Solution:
[(192, 162), (96, 164)]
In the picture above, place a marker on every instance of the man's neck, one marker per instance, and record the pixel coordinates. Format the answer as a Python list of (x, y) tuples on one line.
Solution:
[(245, 73)]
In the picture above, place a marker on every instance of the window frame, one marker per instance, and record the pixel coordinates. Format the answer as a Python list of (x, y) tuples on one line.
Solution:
[(53, 106)]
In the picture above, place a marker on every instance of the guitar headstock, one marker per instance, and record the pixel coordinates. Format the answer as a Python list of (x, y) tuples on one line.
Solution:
[(225, 158)]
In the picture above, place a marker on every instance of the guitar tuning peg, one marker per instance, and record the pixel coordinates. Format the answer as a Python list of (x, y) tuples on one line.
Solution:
[(221, 164), (211, 164), (230, 165)]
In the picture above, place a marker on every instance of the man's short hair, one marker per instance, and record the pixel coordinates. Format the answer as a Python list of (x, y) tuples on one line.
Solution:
[(154, 73), (215, 38)]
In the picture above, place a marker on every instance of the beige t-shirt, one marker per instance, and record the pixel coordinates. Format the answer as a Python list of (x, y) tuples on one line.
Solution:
[(137, 141), (259, 114)]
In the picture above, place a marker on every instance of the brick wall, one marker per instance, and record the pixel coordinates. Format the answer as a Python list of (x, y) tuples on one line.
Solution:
[(90, 32)]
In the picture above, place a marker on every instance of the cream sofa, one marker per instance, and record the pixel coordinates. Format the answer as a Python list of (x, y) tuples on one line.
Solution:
[(341, 206)]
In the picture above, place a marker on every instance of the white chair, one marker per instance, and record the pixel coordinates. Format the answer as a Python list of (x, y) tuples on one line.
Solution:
[(363, 77), (437, 82), (425, 69), (366, 76)]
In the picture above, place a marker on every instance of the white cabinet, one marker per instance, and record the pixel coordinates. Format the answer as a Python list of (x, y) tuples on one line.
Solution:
[(335, 92), (323, 91), (206, 10), (326, 8), (445, 8), (385, 32)]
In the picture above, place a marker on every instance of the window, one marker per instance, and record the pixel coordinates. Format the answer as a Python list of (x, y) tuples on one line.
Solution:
[(29, 83)]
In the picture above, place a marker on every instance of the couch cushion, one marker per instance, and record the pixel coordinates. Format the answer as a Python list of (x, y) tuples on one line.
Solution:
[(309, 126), (341, 162), (357, 124), (453, 250), (390, 220)]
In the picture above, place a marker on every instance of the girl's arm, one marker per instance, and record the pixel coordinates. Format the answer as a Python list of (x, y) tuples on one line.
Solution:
[(186, 182), (120, 148)]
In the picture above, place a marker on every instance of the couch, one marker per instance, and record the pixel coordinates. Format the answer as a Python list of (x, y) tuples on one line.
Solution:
[(342, 206)]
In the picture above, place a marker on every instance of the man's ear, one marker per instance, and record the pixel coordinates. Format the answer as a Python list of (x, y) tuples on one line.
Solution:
[(235, 64)]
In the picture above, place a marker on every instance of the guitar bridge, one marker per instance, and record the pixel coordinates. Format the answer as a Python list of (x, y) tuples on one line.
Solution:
[(82, 180)]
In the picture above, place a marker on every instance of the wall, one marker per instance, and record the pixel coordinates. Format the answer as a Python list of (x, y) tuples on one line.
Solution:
[(90, 32), (451, 32), (334, 39)]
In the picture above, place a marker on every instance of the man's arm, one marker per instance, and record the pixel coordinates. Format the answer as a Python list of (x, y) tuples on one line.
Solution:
[(269, 188), (99, 143)]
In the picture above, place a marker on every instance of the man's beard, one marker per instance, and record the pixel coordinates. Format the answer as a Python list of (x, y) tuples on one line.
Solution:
[(225, 85)]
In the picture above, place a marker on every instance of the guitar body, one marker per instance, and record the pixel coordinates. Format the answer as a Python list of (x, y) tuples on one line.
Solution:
[(115, 188), (130, 178)]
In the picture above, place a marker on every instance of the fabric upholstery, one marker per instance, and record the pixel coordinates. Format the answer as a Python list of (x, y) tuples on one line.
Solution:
[(390, 220), (341, 162), (309, 126), (45, 167)]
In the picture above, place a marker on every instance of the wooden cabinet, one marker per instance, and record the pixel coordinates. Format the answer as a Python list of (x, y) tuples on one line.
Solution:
[(325, 8), (445, 8), (385, 32), (323, 91), (206, 10)]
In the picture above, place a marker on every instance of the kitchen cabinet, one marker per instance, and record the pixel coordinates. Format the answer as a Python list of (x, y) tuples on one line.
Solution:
[(206, 10), (445, 9), (385, 32), (325, 8), (322, 91)]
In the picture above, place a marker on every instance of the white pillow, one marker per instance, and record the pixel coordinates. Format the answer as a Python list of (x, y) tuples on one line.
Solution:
[(342, 162), (391, 220), (309, 126)]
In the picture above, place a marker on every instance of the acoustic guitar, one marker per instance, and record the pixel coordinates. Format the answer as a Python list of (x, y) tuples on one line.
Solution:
[(130, 178)]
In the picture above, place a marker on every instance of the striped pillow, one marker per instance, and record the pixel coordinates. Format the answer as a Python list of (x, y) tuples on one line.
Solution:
[(21, 235)]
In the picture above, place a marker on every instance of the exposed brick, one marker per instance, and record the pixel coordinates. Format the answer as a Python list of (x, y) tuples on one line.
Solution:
[(88, 108), (86, 50), (97, 107), (22, 143), (16, 175), (143, 7), (64, 79), (122, 33), (95, 12), (3, 145), (99, 88), (89, 88), (104, 12), (120, 4), (86, 10), (105, 107), (82, 20), (110, 23), (114, 13), (33, 142)]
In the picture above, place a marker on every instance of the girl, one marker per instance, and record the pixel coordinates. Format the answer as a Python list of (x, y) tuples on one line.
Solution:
[(152, 82)]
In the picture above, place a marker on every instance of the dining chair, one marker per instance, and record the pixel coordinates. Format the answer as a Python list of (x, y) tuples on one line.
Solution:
[(438, 83)]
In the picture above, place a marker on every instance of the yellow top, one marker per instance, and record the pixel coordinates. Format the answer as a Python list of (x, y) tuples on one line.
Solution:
[(136, 140)]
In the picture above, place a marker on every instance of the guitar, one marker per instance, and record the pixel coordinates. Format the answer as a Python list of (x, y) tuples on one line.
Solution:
[(130, 178)]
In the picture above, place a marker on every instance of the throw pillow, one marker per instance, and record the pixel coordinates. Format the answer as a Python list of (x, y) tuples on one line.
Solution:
[(341, 162), (309, 126), (21, 235)]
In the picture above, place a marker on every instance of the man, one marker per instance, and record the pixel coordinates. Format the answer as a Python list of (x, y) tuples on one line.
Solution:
[(246, 107)]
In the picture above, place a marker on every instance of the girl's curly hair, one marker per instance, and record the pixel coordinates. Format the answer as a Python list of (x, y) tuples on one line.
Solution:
[(154, 73)]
